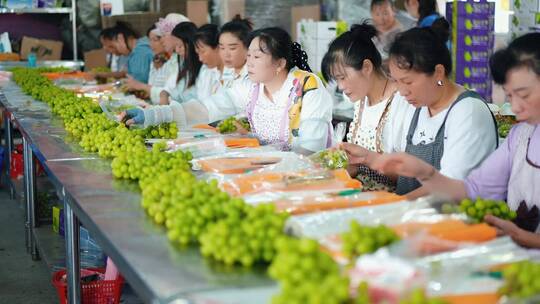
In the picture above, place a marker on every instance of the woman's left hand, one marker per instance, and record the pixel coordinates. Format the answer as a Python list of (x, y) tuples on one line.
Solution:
[(506, 227)]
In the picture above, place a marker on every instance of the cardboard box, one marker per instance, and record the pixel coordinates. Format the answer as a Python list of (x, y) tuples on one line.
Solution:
[(197, 11), (299, 13), (232, 8), (171, 6), (94, 59), (44, 49)]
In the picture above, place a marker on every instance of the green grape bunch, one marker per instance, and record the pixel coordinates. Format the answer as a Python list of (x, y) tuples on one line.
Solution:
[(331, 159), (478, 209), (521, 280), (228, 125), (165, 131), (505, 124), (366, 239), (246, 235), (504, 129), (306, 274)]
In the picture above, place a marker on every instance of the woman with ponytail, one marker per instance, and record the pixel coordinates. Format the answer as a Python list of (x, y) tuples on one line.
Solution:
[(181, 87), (447, 126), (356, 66), (124, 41), (287, 106), (233, 48)]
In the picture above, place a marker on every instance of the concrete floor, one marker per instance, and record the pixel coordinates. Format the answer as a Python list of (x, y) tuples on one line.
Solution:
[(21, 279)]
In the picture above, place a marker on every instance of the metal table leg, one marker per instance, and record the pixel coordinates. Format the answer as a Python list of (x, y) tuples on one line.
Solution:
[(72, 254), (29, 195), (8, 139)]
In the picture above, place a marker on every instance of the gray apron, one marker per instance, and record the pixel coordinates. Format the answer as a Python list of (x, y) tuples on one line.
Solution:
[(431, 153)]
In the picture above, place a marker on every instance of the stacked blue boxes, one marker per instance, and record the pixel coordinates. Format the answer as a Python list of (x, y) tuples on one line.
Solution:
[(473, 39)]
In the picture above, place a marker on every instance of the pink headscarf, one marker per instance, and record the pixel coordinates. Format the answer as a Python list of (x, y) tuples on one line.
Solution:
[(167, 24)]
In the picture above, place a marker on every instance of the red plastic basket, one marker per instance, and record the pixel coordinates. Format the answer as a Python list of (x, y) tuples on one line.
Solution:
[(17, 163), (98, 292)]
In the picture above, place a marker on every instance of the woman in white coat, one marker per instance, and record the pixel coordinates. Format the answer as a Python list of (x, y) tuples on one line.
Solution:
[(287, 106)]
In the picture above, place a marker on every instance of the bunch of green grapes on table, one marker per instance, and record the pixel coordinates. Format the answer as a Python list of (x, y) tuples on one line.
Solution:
[(366, 239), (306, 274), (479, 208), (521, 280), (229, 125), (165, 131), (246, 235)]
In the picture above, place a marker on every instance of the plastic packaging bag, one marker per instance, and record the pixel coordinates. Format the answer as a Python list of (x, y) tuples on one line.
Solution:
[(316, 202), (331, 159), (388, 277), (320, 225), (252, 160), (199, 147), (91, 253), (113, 107), (290, 181)]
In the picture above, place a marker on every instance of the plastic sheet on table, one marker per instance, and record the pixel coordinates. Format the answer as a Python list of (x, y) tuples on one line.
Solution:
[(317, 202), (478, 257), (423, 238), (252, 160), (320, 225), (470, 274), (199, 147), (190, 133), (389, 278), (306, 180)]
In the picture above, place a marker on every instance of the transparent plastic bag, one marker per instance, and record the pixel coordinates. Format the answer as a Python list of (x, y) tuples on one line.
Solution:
[(306, 180), (389, 278), (318, 201), (113, 107), (320, 225), (245, 161), (199, 147), (331, 159)]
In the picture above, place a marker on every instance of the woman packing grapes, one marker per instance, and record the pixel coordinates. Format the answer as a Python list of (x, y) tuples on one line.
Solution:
[(446, 121), (124, 41), (181, 87), (165, 61), (512, 172), (233, 47), (355, 64), (286, 105)]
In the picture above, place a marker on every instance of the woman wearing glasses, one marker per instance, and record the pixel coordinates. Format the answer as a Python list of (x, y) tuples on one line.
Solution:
[(512, 172)]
